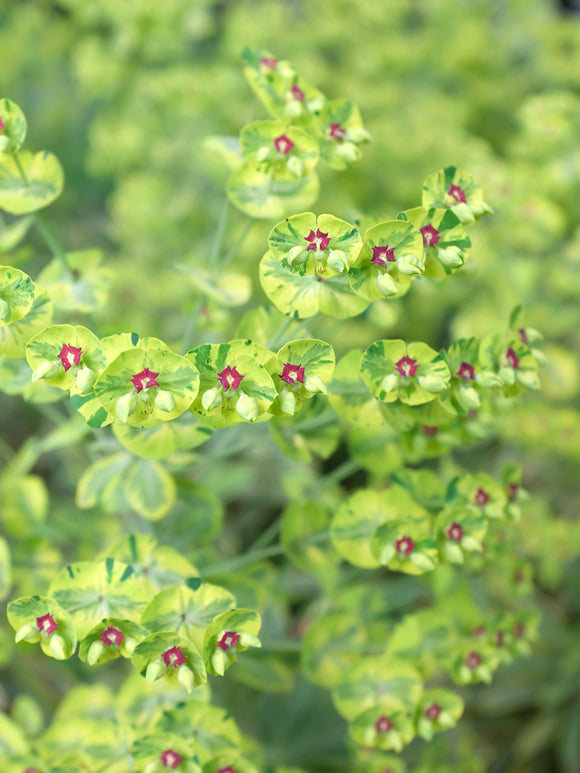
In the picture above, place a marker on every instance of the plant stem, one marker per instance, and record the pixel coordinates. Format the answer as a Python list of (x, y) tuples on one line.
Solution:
[(340, 473), (45, 230), (231, 254)]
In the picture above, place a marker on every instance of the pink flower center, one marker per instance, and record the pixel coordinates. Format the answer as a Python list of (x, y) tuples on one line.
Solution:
[(230, 378), (383, 254), (46, 623), (455, 531), (31, 770), (69, 356), (499, 638), (170, 759), (292, 373), (383, 724), (457, 193), (318, 240), (523, 335), (144, 380), (433, 711), (481, 497), (479, 631), (405, 545), (2, 124), (473, 660), (297, 93), (229, 640), (512, 491), (466, 371), (430, 235), (519, 630), (336, 131), (229, 769), (111, 637), (173, 657), (512, 358), (429, 431), (269, 62), (283, 144), (406, 367)]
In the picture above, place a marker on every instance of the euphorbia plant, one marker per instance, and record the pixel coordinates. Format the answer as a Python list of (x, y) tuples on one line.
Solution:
[(400, 402)]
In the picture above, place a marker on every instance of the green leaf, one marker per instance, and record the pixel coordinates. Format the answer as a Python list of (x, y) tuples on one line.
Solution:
[(24, 503), (349, 395), (100, 478), (314, 432), (17, 292), (372, 681), (332, 646), (465, 199), (13, 133), (87, 290), (5, 569), (150, 489), (269, 194), (38, 185), (13, 337), (263, 672), (354, 523), (302, 520), (448, 232), (26, 611)]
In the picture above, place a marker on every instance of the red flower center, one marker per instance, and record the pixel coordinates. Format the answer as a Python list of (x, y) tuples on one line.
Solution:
[(336, 131), (406, 367), (229, 640), (269, 62), (292, 373), (170, 759), (466, 371), (283, 144), (473, 660), (144, 380), (405, 545), (430, 235), (455, 531), (499, 638), (230, 378), (513, 491), (383, 254), (46, 623), (481, 497), (111, 637), (433, 711), (383, 724), (519, 630), (69, 356), (429, 431), (297, 93), (512, 358), (457, 193), (229, 769), (2, 124), (523, 335), (173, 657), (318, 240)]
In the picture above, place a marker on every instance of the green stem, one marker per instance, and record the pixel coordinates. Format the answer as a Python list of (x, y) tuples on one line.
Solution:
[(45, 230), (279, 334), (231, 254), (341, 472)]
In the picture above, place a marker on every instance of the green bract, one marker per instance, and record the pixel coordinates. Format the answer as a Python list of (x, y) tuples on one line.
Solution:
[(30, 182), (445, 243), (16, 294), (302, 369), (455, 189), (182, 663), (13, 132), (16, 328), (280, 147), (39, 619), (230, 633), (341, 130)]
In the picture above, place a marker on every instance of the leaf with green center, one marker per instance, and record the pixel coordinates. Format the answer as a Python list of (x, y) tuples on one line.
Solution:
[(258, 142), (12, 235), (424, 487), (38, 184), (367, 728), (314, 432), (25, 613), (235, 762), (354, 524), (349, 395), (376, 449), (87, 291), (302, 296), (149, 489), (16, 294), (438, 710), (332, 646), (446, 245), (196, 517), (14, 336), (150, 651), (175, 375), (264, 672), (340, 127), (455, 189), (211, 728), (399, 248), (377, 681), (24, 504), (229, 290), (92, 590), (317, 359), (98, 482), (121, 342), (302, 522), (187, 612), (478, 493), (511, 361), (270, 194), (129, 635), (13, 122), (163, 440)]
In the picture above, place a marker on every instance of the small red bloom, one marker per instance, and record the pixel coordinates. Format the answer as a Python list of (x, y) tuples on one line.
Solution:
[(473, 660), (229, 769), (433, 711), (336, 131), (283, 144), (499, 637), (512, 358), (144, 380), (429, 431), (1, 125), (292, 373), (523, 335), (173, 657), (170, 759), (297, 93), (455, 531), (457, 193), (269, 62), (318, 240), (519, 630), (229, 640), (406, 367), (46, 623), (466, 371), (69, 356), (513, 491), (479, 631), (481, 497), (111, 637), (382, 254), (230, 377), (430, 235), (383, 724), (405, 545)]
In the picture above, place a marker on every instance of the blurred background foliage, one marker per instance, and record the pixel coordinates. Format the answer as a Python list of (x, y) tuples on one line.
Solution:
[(127, 92)]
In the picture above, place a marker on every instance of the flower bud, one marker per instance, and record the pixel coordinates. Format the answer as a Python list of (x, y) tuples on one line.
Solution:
[(539, 356), (293, 108), (128, 645), (96, 649), (432, 383), (357, 135), (507, 376), (528, 378), (164, 400), (390, 382), (488, 379), (493, 510), (453, 553), (287, 400), (471, 544), (462, 210), (297, 256), (468, 398), (422, 561), (386, 284), (482, 672), (46, 369), (186, 678), (264, 153), (425, 728), (211, 399), (28, 631), (248, 408), (4, 143), (395, 740), (125, 406), (219, 661), (314, 384), (4, 311), (295, 166), (155, 669), (387, 554), (347, 151), (407, 265), (249, 640), (338, 261), (451, 256), (85, 380), (57, 646)]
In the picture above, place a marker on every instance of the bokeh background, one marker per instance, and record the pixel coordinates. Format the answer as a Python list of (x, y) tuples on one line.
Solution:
[(126, 94)]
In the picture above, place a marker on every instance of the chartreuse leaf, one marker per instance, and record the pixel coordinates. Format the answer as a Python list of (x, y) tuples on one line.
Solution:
[(24, 503), (424, 487), (163, 440), (39, 619), (354, 524), (186, 611), (166, 751), (383, 726), (16, 294), (349, 395), (99, 481), (12, 126), (412, 373), (126, 380), (167, 655), (156, 566), (302, 296), (13, 336), (438, 710), (314, 433), (31, 183), (196, 516), (479, 494), (264, 672), (12, 738), (5, 569), (378, 450), (214, 729), (332, 646), (229, 634), (110, 639), (93, 590), (363, 685), (149, 489), (12, 235), (88, 288), (455, 189), (302, 523), (235, 761), (121, 342), (303, 369), (392, 254), (460, 531), (341, 132), (512, 361), (445, 242), (280, 147)]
